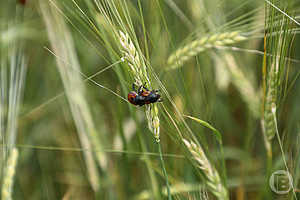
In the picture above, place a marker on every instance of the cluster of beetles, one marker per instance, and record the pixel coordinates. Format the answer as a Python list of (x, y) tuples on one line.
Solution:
[(143, 96)]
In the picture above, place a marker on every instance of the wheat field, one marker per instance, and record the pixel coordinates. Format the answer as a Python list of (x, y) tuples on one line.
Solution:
[(215, 114)]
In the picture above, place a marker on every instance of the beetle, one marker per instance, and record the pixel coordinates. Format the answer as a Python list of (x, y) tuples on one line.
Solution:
[(143, 96)]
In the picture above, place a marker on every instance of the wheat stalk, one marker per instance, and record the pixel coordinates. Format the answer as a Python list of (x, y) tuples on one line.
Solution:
[(193, 48), (69, 69), (274, 68), (243, 85), (13, 67), (138, 69), (214, 182)]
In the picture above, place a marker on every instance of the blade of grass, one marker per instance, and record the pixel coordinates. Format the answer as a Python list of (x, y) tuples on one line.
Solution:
[(164, 171)]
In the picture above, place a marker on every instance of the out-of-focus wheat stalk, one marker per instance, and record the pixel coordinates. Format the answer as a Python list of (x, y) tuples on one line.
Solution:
[(243, 85), (185, 53), (13, 67), (69, 68), (214, 182), (176, 189), (139, 71), (12, 80)]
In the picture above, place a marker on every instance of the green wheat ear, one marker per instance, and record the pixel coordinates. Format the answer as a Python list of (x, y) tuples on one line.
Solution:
[(138, 69), (183, 54), (9, 174), (277, 43), (214, 182)]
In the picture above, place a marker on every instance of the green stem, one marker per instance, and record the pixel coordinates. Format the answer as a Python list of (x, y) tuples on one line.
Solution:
[(153, 179), (164, 171)]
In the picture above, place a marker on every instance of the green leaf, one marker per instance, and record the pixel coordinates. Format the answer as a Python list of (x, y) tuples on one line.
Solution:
[(207, 125)]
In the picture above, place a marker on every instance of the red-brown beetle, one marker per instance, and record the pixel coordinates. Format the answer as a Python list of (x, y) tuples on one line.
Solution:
[(143, 96)]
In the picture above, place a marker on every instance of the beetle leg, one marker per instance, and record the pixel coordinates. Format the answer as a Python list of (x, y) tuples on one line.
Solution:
[(144, 86), (133, 87), (140, 90)]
